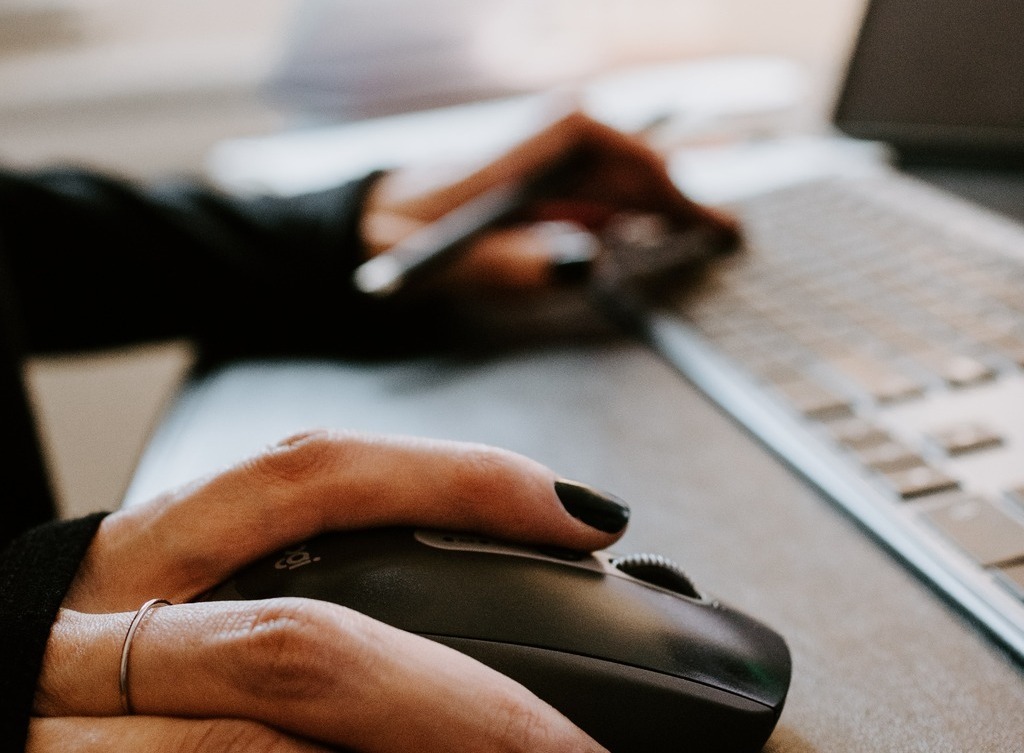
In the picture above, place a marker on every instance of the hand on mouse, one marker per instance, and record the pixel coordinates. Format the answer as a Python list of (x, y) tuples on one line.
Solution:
[(297, 674), (620, 172)]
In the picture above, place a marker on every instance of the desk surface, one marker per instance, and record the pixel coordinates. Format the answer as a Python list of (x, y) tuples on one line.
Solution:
[(880, 662)]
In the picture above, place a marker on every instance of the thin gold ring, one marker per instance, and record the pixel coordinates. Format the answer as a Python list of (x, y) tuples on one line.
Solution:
[(126, 704)]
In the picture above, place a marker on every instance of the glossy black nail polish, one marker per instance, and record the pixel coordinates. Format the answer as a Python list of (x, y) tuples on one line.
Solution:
[(597, 509)]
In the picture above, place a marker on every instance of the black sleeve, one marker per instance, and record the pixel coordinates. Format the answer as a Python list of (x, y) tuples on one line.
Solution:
[(98, 261), (36, 571)]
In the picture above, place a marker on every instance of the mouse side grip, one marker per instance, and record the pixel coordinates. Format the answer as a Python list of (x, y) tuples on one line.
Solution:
[(653, 712)]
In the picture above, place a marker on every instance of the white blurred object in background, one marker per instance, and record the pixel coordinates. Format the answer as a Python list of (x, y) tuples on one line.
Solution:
[(733, 96), (345, 60)]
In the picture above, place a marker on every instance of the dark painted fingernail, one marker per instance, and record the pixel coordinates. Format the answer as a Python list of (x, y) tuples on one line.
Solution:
[(597, 509)]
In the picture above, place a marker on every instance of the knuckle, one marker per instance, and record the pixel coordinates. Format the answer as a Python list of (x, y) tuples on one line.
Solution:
[(283, 649), (296, 459), (233, 736)]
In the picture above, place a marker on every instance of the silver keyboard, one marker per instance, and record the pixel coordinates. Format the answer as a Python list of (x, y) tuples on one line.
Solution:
[(871, 333)]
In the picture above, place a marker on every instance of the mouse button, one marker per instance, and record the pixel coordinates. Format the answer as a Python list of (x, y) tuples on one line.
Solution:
[(468, 542), (519, 599), (323, 567), (388, 576), (629, 708)]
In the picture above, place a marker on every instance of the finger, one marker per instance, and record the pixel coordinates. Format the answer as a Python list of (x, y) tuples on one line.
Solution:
[(511, 258), (546, 146), (160, 735), (522, 258), (411, 195), (310, 668), (622, 172), (186, 542)]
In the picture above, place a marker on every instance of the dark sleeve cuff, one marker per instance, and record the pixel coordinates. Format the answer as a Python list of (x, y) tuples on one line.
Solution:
[(36, 571)]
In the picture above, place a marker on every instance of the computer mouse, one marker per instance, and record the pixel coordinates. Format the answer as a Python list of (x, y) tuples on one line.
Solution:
[(626, 646)]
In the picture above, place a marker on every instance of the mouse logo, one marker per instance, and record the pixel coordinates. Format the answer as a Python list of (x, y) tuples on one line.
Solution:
[(295, 558)]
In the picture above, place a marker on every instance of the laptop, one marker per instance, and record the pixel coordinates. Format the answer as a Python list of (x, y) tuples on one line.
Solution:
[(938, 81), (871, 332)]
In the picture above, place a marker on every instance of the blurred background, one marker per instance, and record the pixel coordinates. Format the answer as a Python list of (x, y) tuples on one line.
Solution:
[(148, 89)]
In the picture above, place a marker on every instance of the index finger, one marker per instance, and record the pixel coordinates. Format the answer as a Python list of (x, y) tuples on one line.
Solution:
[(186, 542), (546, 146)]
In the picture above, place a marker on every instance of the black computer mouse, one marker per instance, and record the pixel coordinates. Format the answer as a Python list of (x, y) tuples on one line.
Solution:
[(625, 646)]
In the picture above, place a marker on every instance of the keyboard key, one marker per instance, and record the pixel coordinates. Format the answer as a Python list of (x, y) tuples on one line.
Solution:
[(878, 379), (815, 401), (956, 370), (858, 434), (890, 456), (920, 482), (984, 531), (964, 438)]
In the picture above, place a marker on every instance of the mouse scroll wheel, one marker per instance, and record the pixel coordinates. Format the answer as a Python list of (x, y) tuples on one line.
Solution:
[(658, 571)]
